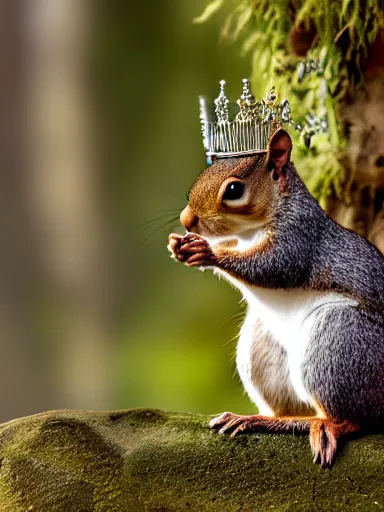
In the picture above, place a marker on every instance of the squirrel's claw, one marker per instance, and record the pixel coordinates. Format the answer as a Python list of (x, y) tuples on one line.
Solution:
[(222, 419), (323, 438), (228, 422), (323, 443), (236, 424)]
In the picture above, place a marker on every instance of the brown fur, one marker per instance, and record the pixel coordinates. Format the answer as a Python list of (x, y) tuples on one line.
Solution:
[(216, 218)]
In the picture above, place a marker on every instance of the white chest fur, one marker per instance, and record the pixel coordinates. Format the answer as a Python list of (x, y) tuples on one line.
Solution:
[(288, 317)]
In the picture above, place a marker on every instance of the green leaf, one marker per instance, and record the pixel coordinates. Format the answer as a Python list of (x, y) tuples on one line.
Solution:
[(209, 11)]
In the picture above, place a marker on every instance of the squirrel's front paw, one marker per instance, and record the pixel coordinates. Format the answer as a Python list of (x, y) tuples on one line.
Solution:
[(197, 251), (191, 249)]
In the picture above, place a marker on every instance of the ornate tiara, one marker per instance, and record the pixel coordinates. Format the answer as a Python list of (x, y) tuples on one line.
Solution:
[(243, 128)]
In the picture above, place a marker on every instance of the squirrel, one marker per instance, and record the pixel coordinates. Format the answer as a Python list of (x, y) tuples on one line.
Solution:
[(311, 349)]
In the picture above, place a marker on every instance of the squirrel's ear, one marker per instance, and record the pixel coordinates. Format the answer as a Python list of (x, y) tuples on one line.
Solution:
[(279, 149)]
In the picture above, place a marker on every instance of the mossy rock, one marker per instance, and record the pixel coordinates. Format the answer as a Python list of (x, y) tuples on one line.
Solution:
[(150, 460)]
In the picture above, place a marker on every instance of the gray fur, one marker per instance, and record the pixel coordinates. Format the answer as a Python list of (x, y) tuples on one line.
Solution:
[(344, 366)]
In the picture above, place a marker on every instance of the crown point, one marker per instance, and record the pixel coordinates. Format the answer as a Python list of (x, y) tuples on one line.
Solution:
[(246, 103), (247, 93), (221, 103)]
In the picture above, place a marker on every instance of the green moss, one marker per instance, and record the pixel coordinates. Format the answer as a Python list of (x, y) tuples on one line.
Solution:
[(148, 460)]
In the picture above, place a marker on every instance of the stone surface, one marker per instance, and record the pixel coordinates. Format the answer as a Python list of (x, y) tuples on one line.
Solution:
[(150, 460)]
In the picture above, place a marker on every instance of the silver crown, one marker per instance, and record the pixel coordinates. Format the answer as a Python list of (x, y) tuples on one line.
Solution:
[(243, 128)]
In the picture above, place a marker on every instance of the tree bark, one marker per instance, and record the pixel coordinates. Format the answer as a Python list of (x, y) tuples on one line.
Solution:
[(362, 209)]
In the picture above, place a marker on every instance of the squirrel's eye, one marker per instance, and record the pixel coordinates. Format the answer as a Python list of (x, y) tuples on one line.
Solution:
[(233, 191)]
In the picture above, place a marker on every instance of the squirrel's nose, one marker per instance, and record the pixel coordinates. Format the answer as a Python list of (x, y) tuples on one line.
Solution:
[(188, 218)]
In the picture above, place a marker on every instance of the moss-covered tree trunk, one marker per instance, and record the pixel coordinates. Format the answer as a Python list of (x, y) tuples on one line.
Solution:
[(149, 460), (360, 114)]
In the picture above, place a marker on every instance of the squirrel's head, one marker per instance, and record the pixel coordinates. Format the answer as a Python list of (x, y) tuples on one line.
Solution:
[(236, 195)]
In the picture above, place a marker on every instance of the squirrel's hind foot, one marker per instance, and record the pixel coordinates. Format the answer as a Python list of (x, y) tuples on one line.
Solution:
[(323, 438)]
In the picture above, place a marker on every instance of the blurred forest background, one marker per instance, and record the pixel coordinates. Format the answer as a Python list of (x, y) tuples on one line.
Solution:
[(99, 142), (99, 135)]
